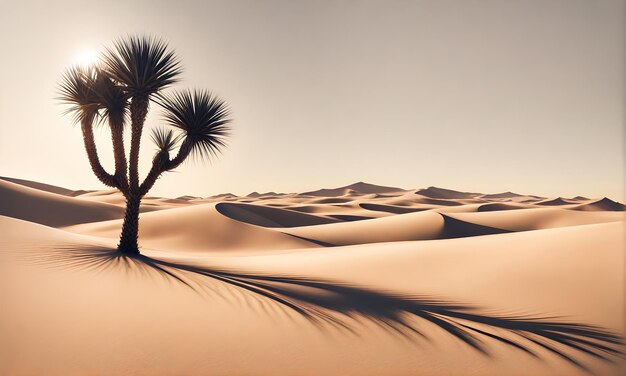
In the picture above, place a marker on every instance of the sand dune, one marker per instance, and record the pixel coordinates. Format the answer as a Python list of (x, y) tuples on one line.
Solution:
[(434, 225), (501, 195), (330, 210), (198, 228), (360, 188), (95, 302), (41, 186), (433, 201), (496, 206), (391, 208), (331, 200), (148, 204), (336, 284), (187, 198), (270, 217), (266, 194), (434, 192), (19, 201), (536, 218), (605, 204), (555, 202), (412, 226)]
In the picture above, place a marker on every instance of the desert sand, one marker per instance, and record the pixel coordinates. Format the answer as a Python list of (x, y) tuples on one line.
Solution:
[(356, 280)]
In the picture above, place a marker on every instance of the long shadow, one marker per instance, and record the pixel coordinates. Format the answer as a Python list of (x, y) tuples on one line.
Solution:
[(341, 305)]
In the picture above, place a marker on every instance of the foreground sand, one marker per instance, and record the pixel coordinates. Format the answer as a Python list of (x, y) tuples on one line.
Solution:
[(360, 280)]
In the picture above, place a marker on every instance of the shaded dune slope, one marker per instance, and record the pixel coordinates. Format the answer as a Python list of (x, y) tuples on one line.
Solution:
[(604, 204), (501, 206), (555, 202), (501, 195), (42, 186), (52, 209), (442, 193), (267, 216), (390, 208)]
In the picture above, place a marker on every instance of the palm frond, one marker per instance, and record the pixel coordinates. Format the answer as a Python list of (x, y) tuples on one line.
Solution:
[(165, 139), (143, 65), (112, 99), (202, 116), (76, 90)]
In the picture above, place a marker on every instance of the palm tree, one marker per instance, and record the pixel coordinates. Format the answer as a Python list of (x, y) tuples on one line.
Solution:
[(124, 82)]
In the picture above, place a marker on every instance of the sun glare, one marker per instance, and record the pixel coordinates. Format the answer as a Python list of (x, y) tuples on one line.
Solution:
[(86, 58)]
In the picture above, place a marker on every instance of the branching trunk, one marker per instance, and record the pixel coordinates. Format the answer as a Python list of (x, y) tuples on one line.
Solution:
[(117, 138), (158, 167), (92, 154), (162, 163)]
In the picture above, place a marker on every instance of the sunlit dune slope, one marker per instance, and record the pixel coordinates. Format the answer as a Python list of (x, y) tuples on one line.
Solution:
[(197, 228), (536, 218), (96, 302)]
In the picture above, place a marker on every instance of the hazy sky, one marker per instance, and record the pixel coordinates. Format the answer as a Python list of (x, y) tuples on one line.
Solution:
[(483, 96)]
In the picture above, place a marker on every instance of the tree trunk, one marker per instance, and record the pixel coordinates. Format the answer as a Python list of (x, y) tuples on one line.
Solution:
[(130, 229), (92, 154), (117, 138), (138, 112)]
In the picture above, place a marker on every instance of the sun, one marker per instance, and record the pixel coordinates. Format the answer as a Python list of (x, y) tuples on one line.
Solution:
[(86, 58)]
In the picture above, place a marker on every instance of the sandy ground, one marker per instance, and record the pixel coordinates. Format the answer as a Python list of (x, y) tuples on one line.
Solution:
[(356, 280)]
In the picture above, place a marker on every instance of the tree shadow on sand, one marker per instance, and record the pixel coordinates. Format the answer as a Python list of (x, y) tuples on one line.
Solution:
[(341, 305)]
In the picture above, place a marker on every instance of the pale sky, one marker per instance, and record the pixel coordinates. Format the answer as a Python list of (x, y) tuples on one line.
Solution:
[(484, 96)]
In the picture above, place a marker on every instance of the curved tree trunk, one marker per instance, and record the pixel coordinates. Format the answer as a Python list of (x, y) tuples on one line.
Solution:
[(130, 229), (92, 154)]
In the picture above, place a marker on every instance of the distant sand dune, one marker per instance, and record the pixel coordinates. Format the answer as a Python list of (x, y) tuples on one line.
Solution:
[(270, 217), (435, 192), (501, 195), (500, 206), (411, 226), (536, 218), (604, 204), (555, 202), (360, 187), (19, 201), (41, 186), (390, 208), (433, 201)]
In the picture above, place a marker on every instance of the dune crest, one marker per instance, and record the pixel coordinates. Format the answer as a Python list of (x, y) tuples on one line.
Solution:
[(359, 187), (442, 193), (39, 206)]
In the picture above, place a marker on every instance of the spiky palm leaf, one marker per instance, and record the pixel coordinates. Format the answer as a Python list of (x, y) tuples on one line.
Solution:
[(112, 100), (143, 65), (164, 139), (203, 117), (77, 90)]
